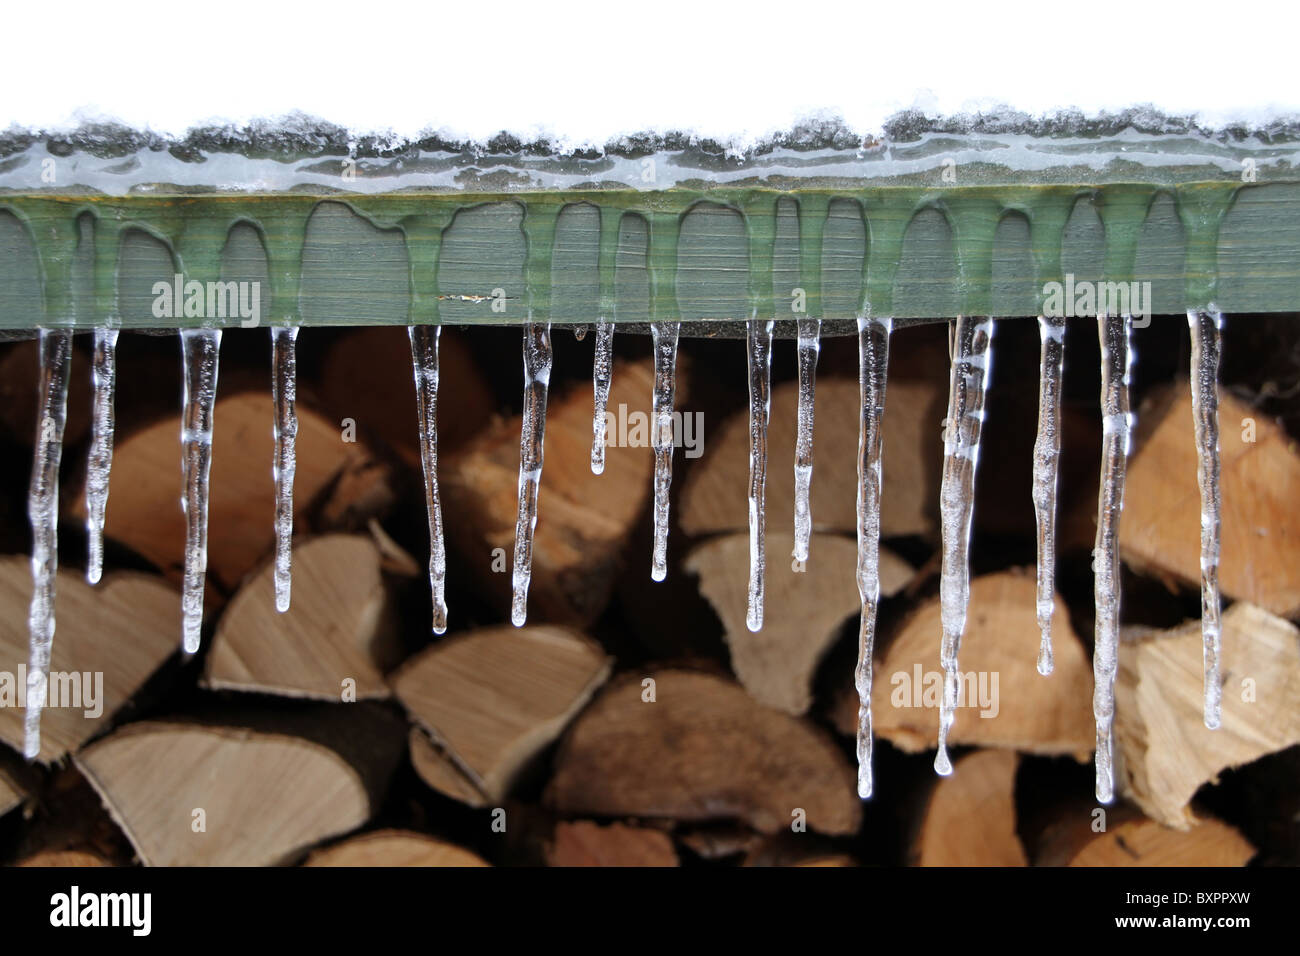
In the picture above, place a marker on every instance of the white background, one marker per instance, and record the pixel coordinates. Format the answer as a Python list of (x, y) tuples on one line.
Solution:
[(583, 73)]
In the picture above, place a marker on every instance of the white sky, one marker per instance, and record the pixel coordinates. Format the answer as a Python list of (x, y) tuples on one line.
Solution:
[(583, 73)]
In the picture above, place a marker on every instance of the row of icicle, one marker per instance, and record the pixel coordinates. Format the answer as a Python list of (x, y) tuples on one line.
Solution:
[(970, 378)]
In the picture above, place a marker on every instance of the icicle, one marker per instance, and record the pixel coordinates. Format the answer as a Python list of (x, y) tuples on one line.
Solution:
[(580, 331), (200, 350), (284, 395), (43, 511), (664, 337), (424, 356), (1116, 428), (602, 369), (873, 363), (1205, 326), (103, 377), (971, 371), (809, 347), (760, 406), (1047, 453), (537, 378)]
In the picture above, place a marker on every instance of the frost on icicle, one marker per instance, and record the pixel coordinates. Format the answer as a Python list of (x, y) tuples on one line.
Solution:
[(43, 512), (664, 341), (759, 342), (537, 379), (602, 370), (1047, 455), (873, 363), (284, 396), (809, 347), (200, 350), (971, 370), (1205, 326), (424, 359), (99, 462), (1116, 431)]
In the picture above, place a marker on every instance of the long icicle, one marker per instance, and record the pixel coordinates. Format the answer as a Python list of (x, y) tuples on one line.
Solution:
[(971, 370), (873, 364), (99, 462), (43, 511), (759, 341), (1047, 455), (1113, 331), (1205, 326), (200, 353), (602, 370), (537, 379), (424, 358), (284, 395), (664, 338), (809, 347)]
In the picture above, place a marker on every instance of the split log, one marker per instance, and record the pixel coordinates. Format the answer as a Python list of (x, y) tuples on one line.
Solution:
[(713, 494), (1167, 752), (391, 848), (796, 849), (693, 746), (110, 639), (63, 859), (437, 768), (495, 698), (970, 819), (1130, 839), (367, 377), (583, 843), (329, 645), (1025, 711), (147, 480), (717, 841), (803, 614), (200, 795), (1161, 530), (585, 519)]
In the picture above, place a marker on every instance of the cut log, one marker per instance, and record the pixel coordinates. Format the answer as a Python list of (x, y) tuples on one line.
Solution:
[(694, 746), (1161, 530), (1130, 839), (436, 768), (110, 639), (713, 495), (63, 859), (1025, 711), (394, 848), (1168, 753), (196, 795), (804, 611), (585, 519), (329, 645), (717, 841), (970, 819), (367, 377), (583, 843), (796, 849), (495, 698), (147, 481)]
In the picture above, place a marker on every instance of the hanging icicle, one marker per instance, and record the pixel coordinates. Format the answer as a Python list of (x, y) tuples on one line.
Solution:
[(759, 341), (972, 368), (424, 358), (873, 364), (43, 512), (602, 371), (1205, 327), (664, 338), (809, 347), (99, 463), (1116, 359), (1047, 454), (284, 395), (200, 351), (537, 379)]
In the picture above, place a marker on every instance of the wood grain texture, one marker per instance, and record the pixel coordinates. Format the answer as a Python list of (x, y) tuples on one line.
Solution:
[(1132, 840), (584, 843), (396, 848), (970, 819)]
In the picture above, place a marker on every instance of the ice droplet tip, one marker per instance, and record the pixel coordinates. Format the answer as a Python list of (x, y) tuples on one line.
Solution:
[(282, 602), (658, 574), (93, 575), (597, 467), (754, 622), (942, 765)]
